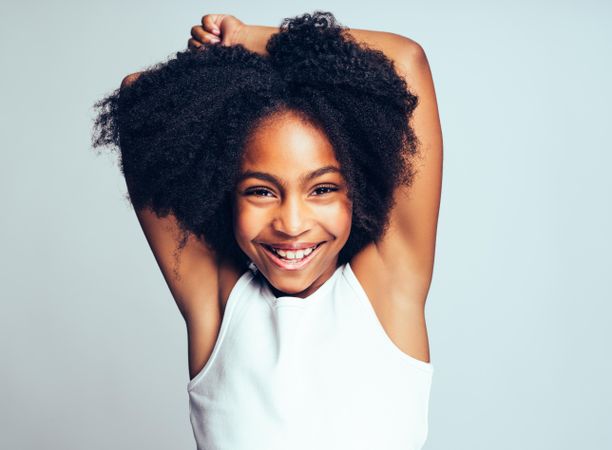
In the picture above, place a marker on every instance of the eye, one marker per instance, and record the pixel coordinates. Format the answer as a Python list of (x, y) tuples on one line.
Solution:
[(258, 192), (325, 189), (263, 192)]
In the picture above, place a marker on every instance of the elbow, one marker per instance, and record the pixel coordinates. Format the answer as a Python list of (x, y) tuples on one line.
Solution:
[(410, 59), (130, 79), (411, 52)]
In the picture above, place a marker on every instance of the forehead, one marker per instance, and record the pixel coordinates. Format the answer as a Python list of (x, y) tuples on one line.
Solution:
[(288, 144)]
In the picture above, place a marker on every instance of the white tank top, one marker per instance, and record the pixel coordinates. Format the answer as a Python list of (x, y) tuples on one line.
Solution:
[(318, 372)]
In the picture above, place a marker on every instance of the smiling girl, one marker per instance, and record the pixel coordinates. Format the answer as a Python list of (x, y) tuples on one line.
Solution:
[(288, 182)]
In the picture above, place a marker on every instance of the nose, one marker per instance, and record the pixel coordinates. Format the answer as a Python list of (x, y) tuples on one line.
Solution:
[(292, 217)]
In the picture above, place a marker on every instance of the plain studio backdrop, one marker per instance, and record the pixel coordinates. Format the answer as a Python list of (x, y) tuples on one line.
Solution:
[(93, 348)]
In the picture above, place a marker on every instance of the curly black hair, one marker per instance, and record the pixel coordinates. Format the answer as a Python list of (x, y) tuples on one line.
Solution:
[(182, 125)]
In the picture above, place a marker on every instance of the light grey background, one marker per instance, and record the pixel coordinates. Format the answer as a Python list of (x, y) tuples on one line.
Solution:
[(93, 349)]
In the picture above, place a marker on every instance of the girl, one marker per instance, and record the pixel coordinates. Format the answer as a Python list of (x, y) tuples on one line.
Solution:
[(273, 172)]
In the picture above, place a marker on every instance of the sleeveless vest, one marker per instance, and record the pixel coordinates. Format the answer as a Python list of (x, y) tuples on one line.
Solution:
[(290, 373)]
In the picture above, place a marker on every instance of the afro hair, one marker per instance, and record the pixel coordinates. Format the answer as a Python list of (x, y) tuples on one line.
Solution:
[(181, 126)]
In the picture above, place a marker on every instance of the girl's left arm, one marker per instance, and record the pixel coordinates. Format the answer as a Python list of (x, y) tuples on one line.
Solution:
[(408, 246)]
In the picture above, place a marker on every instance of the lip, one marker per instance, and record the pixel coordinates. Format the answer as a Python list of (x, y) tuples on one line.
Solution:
[(281, 263), (295, 246)]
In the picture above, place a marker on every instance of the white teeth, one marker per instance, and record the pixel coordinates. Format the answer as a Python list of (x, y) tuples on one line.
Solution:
[(294, 254)]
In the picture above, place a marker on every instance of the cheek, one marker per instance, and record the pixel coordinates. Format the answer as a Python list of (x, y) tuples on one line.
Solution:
[(338, 218), (247, 222)]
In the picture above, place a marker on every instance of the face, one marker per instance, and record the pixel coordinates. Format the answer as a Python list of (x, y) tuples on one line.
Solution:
[(290, 198)]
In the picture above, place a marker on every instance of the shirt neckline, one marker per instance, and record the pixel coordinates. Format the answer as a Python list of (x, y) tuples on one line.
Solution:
[(288, 300)]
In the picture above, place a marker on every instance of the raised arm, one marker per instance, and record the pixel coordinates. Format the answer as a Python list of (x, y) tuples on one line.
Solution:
[(192, 272), (409, 244)]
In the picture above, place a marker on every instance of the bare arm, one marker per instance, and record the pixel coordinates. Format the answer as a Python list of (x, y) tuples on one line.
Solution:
[(191, 273), (409, 244)]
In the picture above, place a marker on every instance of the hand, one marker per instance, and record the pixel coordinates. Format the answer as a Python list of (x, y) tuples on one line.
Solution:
[(216, 28)]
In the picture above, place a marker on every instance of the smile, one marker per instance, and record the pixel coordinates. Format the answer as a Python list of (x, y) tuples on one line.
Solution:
[(291, 260)]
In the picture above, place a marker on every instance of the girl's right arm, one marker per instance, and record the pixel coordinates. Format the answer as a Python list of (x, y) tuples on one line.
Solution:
[(191, 273), (193, 281)]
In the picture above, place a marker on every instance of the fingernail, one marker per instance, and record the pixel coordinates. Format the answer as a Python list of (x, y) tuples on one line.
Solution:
[(216, 30)]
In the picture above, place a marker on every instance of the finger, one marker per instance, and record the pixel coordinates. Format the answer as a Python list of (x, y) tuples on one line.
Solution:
[(192, 44), (210, 23), (198, 33)]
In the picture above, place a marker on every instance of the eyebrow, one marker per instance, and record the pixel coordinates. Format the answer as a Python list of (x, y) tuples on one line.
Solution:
[(280, 183)]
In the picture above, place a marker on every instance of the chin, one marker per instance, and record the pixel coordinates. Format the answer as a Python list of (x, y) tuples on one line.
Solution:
[(289, 283)]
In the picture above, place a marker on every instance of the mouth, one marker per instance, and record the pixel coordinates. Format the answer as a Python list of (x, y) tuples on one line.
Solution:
[(291, 260)]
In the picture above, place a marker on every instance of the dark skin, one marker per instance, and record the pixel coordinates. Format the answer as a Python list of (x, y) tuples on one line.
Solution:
[(291, 207), (395, 272)]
